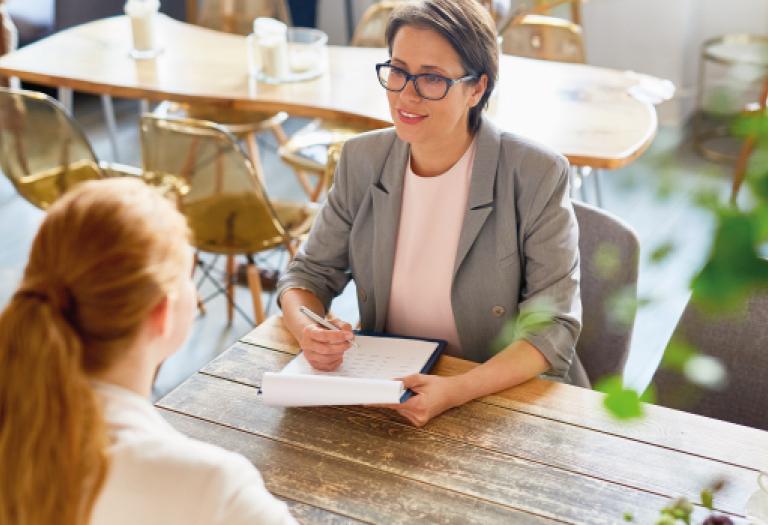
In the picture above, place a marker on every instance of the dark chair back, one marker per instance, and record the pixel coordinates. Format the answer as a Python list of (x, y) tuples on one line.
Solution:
[(610, 254), (740, 341)]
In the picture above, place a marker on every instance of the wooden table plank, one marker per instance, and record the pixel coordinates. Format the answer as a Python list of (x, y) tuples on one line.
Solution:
[(674, 429), (309, 514), (415, 454), (346, 488), (584, 451)]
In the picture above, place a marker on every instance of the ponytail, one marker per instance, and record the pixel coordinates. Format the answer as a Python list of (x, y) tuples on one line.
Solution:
[(49, 417)]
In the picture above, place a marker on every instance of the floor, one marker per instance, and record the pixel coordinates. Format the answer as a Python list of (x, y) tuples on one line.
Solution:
[(653, 195)]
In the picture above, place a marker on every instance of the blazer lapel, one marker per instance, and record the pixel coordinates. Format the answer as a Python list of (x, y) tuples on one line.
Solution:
[(480, 202), (387, 202)]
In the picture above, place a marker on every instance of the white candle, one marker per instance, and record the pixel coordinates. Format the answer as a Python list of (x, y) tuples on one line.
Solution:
[(142, 14), (272, 41)]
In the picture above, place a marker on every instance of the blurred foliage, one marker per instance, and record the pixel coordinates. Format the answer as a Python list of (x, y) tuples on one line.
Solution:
[(680, 511), (621, 402), (662, 252), (533, 317), (607, 260), (735, 268)]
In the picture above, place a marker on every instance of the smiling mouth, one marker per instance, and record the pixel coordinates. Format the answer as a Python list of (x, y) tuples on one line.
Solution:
[(410, 118)]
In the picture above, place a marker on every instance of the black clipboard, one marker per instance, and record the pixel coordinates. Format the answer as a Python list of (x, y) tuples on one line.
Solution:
[(428, 365)]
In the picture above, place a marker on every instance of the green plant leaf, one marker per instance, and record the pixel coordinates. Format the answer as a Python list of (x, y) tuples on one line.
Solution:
[(532, 318), (734, 268), (606, 260), (707, 499), (649, 396), (677, 354), (662, 252), (621, 307), (622, 403)]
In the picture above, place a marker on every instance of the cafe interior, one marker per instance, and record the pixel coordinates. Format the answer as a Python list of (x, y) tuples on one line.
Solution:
[(238, 111)]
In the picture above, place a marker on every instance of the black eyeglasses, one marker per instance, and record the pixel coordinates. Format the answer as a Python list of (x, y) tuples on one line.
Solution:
[(428, 85)]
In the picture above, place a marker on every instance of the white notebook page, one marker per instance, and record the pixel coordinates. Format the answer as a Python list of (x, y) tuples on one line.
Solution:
[(367, 375), (375, 358)]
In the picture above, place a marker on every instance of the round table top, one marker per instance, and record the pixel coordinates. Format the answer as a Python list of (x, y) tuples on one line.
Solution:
[(584, 112)]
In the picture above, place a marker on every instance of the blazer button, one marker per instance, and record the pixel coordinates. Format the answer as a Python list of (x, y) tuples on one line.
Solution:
[(498, 311), (361, 294)]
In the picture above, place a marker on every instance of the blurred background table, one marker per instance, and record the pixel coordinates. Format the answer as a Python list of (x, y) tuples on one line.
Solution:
[(584, 112)]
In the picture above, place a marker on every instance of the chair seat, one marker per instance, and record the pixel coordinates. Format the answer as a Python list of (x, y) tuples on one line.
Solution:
[(114, 169), (307, 149), (235, 223), (44, 187), (234, 120), (297, 217)]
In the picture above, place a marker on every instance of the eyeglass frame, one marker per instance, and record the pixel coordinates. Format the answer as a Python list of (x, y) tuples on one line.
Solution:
[(413, 78)]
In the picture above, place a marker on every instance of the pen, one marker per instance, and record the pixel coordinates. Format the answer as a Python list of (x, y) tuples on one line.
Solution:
[(325, 323)]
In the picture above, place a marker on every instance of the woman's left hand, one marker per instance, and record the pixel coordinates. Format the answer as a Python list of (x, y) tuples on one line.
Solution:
[(433, 395)]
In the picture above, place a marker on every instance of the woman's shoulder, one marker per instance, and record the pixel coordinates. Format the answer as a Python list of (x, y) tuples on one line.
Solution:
[(371, 145), (529, 155)]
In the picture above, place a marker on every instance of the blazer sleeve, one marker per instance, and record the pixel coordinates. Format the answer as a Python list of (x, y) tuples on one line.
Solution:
[(551, 277), (322, 264)]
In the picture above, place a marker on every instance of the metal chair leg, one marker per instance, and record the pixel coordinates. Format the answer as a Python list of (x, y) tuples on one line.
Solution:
[(574, 180), (583, 187), (109, 118), (598, 191)]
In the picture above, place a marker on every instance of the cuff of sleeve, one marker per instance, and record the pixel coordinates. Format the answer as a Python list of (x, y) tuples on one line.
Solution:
[(556, 345)]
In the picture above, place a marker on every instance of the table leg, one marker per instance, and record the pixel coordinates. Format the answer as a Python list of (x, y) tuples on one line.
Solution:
[(65, 96), (109, 117)]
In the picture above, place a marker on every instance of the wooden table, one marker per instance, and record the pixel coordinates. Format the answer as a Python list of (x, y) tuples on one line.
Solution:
[(582, 111), (538, 453)]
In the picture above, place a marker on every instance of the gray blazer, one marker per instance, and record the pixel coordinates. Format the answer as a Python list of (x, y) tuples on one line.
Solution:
[(518, 246)]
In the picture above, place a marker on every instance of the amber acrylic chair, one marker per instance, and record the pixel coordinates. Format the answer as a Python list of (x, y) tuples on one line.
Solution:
[(43, 151), (537, 31), (226, 204)]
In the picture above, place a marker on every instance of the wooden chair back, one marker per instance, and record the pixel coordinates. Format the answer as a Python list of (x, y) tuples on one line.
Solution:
[(235, 16), (544, 38)]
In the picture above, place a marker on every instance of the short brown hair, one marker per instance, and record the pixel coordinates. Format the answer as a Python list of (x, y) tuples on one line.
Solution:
[(470, 30)]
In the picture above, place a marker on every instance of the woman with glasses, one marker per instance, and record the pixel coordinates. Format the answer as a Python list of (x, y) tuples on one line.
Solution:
[(106, 297), (450, 227)]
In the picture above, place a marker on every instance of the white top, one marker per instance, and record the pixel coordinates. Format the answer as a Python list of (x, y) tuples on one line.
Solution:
[(159, 476), (431, 217)]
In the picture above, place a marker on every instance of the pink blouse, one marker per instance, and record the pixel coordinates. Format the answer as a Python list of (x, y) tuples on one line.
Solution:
[(431, 217)]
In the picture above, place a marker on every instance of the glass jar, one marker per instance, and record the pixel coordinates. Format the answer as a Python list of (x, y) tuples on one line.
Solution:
[(757, 505)]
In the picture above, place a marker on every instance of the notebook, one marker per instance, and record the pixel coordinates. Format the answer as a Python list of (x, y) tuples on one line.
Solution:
[(367, 375)]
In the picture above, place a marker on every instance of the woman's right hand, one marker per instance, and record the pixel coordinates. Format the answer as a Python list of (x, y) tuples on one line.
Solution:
[(324, 349)]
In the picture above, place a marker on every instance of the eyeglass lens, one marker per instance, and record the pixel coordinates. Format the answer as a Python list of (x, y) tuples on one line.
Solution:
[(427, 86)]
